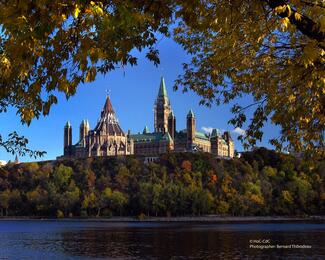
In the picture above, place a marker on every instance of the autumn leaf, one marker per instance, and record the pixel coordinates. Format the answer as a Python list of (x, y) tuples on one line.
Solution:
[(91, 75), (76, 12)]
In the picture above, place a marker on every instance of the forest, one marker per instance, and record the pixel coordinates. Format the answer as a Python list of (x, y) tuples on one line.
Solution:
[(261, 182)]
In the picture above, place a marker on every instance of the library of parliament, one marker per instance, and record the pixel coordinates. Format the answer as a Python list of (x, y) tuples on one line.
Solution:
[(108, 138)]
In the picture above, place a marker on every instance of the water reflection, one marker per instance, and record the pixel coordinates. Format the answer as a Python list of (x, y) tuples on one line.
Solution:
[(96, 240)]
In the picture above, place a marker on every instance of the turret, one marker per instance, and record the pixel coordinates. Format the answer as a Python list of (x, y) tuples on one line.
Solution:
[(172, 125), (169, 142), (230, 143), (190, 126), (145, 130), (67, 137), (227, 136), (84, 129), (216, 142)]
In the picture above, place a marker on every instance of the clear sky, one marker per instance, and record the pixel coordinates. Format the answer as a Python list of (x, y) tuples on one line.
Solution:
[(133, 92)]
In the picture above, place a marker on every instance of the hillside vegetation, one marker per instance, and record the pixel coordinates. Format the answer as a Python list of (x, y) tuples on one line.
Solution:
[(260, 183)]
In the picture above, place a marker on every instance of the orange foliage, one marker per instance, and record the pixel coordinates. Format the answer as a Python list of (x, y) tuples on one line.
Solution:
[(322, 196), (213, 179), (186, 165), (91, 179), (257, 199)]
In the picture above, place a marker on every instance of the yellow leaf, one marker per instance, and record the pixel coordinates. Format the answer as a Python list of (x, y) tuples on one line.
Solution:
[(297, 16), (291, 98), (5, 67), (260, 38), (76, 12), (99, 10), (285, 22), (280, 9), (91, 74), (310, 54), (27, 114), (289, 10)]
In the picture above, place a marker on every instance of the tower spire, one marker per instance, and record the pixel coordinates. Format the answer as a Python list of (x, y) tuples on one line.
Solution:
[(162, 88), (162, 108), (190, 119), (108, 108), (108, 122), (67, 142)]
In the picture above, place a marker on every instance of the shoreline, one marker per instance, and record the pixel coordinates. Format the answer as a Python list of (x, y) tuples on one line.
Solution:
[(188, 219)]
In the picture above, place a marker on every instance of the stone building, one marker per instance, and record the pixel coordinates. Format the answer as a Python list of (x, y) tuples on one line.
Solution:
[(166, 138), (106, 139)]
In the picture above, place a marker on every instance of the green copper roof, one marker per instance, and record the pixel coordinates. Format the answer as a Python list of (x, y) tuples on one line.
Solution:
[(162, 88), (145, 130), (190, 113), (68, 124), (215, 132), (150, 137), (145, 137), (201, 136)]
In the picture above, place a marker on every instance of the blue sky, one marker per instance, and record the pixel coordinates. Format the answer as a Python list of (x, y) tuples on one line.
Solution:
[(133, 92)]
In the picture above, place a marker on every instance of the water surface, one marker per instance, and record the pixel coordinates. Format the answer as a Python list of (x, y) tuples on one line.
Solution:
[(50, 239)]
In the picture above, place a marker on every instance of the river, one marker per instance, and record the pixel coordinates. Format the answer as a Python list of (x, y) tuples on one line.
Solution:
[(76, 239)]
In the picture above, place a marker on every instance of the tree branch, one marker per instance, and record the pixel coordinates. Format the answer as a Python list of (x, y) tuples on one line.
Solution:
[(18, 145), (304, 24), (322, 4)]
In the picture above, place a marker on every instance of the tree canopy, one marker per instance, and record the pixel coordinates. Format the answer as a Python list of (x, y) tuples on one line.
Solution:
[(272, 50), (262, 182)]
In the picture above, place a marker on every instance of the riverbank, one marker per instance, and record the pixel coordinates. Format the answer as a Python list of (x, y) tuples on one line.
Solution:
[(208, 219)]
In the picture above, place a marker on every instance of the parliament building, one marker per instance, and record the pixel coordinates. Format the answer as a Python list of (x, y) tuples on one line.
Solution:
[(108, 138)]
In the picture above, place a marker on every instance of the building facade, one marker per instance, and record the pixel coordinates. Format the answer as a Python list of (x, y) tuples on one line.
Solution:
[(108, 139), (166, 138)]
